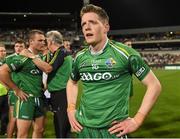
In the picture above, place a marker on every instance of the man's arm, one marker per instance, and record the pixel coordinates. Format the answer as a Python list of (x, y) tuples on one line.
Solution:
[(5, 78), (72, 93), (42, 65), (153, 91), (132, 124)]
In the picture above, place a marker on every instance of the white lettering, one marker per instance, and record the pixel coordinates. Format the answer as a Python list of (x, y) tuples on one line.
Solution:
[(140, 71), (95, 77), (34, 71), (106, 76)]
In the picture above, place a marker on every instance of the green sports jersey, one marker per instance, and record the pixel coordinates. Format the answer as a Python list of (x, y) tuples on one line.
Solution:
[(62, 65), (2, 61), (107, 83), (8, 58), (12, 97), (25, 74)]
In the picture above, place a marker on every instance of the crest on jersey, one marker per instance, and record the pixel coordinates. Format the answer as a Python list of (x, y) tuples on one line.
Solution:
[(83, 64), (110, 62)]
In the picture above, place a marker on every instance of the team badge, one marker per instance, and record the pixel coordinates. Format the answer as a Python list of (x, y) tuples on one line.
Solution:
[(110, 62), (83, 64)]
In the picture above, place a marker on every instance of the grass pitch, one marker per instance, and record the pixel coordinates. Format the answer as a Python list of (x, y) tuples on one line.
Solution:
[(164, 119)]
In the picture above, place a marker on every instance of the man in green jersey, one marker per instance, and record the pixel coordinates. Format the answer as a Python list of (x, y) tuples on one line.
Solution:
[(28, 86), (105, 69), (61, 61), (3, 96), (19, 45)]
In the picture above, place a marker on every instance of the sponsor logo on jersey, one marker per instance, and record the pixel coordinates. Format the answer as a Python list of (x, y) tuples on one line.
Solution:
[(72, 75), (140, 71), (95, 77), (110, 62), (95, 64), (82, 65), (13, 66), (35, 72)]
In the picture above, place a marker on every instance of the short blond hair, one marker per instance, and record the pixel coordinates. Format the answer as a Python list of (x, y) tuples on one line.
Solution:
[(95, 9), (2, 45)]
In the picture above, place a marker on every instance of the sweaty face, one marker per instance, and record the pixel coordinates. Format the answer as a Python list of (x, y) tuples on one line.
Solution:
[(19, 47), (2, 52), (38, 42), (93, 28)]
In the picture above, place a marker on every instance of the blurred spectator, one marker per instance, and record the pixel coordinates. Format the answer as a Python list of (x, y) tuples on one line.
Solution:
[(3, 96), (128, 42), (67, 46)]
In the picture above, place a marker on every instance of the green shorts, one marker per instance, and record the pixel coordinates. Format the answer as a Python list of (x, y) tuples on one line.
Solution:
[(88, 132), (12, 98), (30, 109)]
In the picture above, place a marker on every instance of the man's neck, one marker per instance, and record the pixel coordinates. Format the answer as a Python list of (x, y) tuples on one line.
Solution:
[(99, 47), (33, 50), (54, 48)]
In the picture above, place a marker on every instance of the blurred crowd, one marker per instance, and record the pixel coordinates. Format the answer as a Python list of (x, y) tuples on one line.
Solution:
[(8, 37), (161, 59)]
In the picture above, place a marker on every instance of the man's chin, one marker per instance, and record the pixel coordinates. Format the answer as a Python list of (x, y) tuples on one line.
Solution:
[(90, 42)]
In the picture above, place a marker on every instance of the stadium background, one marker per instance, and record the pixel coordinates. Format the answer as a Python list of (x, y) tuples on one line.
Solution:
[(152, 26)]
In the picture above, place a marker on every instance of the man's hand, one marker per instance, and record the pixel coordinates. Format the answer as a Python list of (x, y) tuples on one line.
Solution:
[(20, 94), (76, 127), (27, 53), (124, 127)]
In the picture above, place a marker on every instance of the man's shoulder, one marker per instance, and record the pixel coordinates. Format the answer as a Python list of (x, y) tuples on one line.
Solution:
[(11, 55), (81, 52), (15, 57), (118, 45), (122, 48)]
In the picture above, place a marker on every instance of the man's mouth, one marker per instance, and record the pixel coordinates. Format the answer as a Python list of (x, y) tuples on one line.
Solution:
[(89, 34)]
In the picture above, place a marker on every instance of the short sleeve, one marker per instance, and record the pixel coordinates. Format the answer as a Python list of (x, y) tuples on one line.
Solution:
[(138, 67), (15, 62), (75, 72)]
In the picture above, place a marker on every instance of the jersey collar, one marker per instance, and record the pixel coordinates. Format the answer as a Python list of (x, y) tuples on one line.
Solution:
[(30, 50), (100, 51)]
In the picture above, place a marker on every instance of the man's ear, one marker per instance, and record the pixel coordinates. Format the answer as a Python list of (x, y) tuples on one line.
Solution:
[(107, 27)]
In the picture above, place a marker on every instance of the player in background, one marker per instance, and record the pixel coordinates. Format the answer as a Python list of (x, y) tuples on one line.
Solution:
[(28, 86), (3, 96), (19, 45)]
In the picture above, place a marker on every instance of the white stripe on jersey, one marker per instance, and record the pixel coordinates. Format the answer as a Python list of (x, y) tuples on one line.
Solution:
[(80, 53), (120, 51)]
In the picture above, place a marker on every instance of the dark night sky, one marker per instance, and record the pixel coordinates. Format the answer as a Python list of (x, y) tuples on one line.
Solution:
[(124, 14)]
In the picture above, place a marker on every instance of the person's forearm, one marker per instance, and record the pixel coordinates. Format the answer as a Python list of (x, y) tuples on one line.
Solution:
[(72, 93), (151, 95), (5, 78), (44, 66)]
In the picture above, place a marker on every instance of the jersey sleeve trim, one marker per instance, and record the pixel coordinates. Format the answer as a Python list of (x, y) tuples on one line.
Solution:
[(81, 52), (54, 58), (120, 50)]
